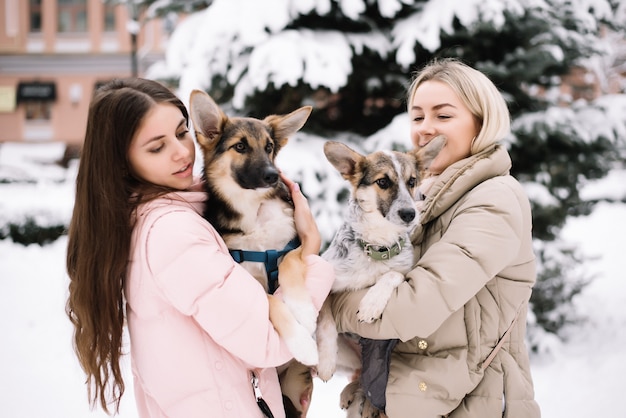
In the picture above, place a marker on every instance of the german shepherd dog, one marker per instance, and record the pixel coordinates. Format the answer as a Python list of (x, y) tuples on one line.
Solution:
[(250, 207), (372, 248)]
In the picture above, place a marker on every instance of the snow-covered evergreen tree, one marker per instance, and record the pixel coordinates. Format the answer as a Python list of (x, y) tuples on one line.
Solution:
[(352, 60)]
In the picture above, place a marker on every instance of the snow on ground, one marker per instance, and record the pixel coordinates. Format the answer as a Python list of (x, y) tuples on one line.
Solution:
[(40, 376), (586, 377)]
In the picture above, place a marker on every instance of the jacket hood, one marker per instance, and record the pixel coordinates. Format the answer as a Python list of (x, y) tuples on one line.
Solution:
[(462, 176)]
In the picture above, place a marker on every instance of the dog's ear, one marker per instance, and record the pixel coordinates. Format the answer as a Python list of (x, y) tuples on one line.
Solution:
[(285, 126), (427, 154), (343, 158), (208, 119)]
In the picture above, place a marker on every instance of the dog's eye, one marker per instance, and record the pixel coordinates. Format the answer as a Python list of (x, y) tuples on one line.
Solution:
[(383, 183), (240, 147), (269, 148), (411, 183)]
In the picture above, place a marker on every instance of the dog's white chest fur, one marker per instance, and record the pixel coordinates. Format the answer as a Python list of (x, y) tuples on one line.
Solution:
[(270, 226)]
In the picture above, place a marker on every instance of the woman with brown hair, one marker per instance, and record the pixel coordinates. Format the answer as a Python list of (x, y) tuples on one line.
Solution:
[(140, 252)]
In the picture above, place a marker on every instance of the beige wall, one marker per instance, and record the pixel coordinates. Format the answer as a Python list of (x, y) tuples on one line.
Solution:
[(13, 17)]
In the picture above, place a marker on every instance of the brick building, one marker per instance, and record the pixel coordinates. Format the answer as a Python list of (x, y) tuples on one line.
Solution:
[(53, 53)]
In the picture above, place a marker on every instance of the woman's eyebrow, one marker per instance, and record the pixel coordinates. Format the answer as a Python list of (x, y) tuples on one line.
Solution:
[(439, 106), (436, 107)]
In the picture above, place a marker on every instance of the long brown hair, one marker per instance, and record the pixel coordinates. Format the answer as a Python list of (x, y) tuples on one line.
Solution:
[(100, 230)]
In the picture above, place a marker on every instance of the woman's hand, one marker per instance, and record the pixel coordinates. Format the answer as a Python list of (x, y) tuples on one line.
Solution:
[(305, 223)]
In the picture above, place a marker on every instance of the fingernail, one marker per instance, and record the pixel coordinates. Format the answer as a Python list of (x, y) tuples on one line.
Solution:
[(296, 187)]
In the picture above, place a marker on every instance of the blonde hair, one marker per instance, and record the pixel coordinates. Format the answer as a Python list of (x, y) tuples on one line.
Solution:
[(476, 91)]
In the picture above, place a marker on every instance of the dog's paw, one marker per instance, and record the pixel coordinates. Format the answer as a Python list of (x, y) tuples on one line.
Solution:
[(369, 410), (303, 347), (373, 303), (352, 400), (306, 353), (328, 350), (304, 312), (326, 368), (371, 307), (350, 394)]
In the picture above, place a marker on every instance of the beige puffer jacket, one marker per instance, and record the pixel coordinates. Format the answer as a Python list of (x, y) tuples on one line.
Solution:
[(475, 270)]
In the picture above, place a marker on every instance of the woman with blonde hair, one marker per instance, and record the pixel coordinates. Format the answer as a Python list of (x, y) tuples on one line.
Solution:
[(460, 315)]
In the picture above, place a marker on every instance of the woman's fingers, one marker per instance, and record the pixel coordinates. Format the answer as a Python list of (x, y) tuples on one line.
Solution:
[(305, 223)]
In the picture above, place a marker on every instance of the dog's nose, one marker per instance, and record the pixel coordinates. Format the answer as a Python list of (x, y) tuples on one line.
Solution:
[(407, 215), (270, 176)]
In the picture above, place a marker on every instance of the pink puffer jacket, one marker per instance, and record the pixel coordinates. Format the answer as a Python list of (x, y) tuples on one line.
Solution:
[(198, 322)]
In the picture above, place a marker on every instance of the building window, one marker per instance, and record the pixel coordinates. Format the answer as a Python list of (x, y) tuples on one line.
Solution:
[(37, 98), (109, 17), (35, 15), (40, 111), (72, 16)]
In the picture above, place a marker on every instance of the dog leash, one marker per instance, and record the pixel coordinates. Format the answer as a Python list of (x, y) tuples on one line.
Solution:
[(254, 380), (269, 258)]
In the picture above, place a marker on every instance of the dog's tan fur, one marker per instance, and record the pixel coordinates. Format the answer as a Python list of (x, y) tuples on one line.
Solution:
[(250, 208)]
